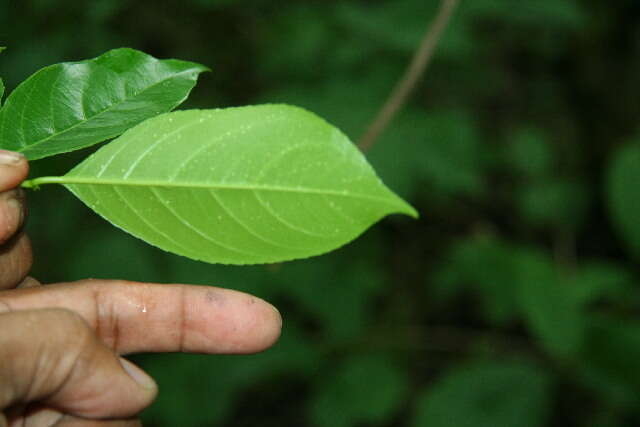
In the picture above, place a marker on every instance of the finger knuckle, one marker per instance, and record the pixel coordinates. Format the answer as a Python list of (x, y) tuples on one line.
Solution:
[(69, 325)]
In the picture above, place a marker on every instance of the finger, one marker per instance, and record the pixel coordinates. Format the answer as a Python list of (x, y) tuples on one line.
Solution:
[(13, 170), (136, 317), (38, 415), (79, 422), (33, 415), (52, 356), (12, 213), (15, 261)]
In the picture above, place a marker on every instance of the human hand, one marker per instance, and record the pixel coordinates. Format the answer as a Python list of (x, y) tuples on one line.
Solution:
[(60, 344)]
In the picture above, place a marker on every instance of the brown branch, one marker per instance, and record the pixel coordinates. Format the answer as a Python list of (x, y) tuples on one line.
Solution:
[(412, 75)]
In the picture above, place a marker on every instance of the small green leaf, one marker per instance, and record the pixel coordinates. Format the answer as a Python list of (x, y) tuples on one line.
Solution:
[(241, 185), (624, 196), (68, 106)]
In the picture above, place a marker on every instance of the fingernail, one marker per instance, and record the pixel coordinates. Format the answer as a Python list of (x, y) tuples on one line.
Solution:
[(137, 374), (10, 158), (277, 312)]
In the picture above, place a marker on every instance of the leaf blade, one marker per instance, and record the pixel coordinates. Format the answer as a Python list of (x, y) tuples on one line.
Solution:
[(241, 192), (623, 176), (73, 105)]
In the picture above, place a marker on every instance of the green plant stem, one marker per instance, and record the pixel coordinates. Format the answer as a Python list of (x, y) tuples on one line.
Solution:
[(35, 183)]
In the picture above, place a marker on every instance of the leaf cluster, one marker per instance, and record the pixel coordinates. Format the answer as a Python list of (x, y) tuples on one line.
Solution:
[(250, 185)]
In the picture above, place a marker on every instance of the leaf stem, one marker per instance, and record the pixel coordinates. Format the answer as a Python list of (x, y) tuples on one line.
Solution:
[(412, 75), (35, 183)]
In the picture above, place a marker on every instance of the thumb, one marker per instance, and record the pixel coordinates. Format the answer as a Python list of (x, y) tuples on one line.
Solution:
[(53, 357)]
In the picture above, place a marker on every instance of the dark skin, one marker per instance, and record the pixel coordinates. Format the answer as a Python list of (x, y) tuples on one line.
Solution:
[(61, 345)]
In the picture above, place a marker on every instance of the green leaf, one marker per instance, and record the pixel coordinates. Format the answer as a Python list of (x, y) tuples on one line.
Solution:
[(244, 185), (377, 24), (568, 16), (560, 203), (529, 154), (366, 389), (486, 395), (611, 355), (551, 309), (465, 265), (601, 281), (624, 196), (68, 106)]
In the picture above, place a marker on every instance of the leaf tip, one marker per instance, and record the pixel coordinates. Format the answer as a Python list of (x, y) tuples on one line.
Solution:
[(407, 209), (412, 212)]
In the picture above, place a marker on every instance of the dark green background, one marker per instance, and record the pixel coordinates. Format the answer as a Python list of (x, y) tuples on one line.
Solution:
[(513, 301)]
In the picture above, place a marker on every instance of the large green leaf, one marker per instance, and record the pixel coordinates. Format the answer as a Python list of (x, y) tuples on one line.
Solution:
[(68, 106), (624, 196), (238, 186)]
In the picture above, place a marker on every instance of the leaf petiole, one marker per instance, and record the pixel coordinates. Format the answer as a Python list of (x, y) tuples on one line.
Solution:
[(35, 183)]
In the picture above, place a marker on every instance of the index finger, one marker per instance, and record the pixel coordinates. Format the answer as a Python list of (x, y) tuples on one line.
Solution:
[(133, 317)]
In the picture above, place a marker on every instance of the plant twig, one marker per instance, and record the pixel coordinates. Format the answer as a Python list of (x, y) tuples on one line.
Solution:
[(412, 75)]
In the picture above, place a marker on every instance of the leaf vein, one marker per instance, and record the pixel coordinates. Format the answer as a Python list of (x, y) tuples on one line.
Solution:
[(233, 216), (151, 147), (281, 218), (190, 226), (142, 218)]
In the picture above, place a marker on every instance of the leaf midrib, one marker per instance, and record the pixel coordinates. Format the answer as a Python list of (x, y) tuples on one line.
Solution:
[(80, 123), (65, 180)]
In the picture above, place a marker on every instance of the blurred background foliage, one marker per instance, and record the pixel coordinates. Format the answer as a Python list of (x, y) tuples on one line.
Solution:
[(513, 301)]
